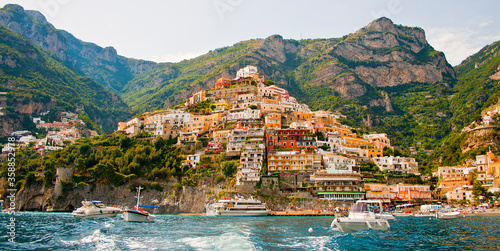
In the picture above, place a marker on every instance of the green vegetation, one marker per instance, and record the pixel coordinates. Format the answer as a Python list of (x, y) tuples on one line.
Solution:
[(115, 160), (35, 77)]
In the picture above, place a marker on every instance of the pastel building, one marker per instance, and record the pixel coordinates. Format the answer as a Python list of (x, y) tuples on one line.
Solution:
[(293, 161), (397, 164)]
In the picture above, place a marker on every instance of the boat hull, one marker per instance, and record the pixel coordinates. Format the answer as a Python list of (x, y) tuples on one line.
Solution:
[(95, 213), (253, 213), (424, 215), (137, 216), (354, 225), (387, 216), (447, 216)]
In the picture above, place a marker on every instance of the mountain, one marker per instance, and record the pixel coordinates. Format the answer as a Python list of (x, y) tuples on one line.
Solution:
[(101, 64), (476, 91), (35, 81), (352, 67), (384, 77)]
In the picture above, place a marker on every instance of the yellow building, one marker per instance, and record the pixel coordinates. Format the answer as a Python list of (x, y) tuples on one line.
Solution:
[(353, 141), (375, 152), (272, 120), (342, 131), (221, 135), (221, 106), (377, 191)]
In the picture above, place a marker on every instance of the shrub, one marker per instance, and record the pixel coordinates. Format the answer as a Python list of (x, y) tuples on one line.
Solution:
[(177, 186), (156, 186)]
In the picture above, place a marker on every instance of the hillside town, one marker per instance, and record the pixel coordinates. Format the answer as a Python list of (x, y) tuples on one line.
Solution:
[(278, 140), (57, 134)]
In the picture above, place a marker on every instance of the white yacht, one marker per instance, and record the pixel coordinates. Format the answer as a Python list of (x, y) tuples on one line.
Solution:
[(95, 208), (138, 214), (362, 217), (237, 207)]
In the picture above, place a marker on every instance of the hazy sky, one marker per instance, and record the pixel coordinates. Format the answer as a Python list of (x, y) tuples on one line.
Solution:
[(169, 31)]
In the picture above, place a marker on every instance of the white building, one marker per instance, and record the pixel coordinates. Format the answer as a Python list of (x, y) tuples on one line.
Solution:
[(334, 163), (246, 72), (401, 164), (238, 114), (27, 139), (192, 160)]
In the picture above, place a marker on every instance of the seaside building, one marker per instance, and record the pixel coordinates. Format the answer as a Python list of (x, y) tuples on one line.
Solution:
[(397, 164), (293, 161), (378, 191)]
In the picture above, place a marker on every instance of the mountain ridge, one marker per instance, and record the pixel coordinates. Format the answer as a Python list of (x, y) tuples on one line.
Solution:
[(36, 82), (102, 64)]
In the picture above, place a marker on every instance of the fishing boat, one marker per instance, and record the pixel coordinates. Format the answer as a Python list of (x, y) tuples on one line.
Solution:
[(237, 207), (362, 217), (94, 208), (138, 214)]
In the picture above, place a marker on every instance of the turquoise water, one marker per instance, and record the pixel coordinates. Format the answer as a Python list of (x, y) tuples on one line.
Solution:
[(60, 231)]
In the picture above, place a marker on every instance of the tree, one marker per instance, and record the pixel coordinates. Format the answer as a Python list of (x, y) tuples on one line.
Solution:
[(229, 168), (478, 190), (388, 151), (269, 82)]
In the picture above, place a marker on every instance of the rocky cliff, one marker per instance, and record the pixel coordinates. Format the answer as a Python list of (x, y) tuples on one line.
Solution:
[(171, 201)]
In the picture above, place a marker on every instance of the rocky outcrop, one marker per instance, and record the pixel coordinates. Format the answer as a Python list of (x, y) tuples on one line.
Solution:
[(385, 102), (348, 86), (273, 47), (496, 76), (481, 138), (383, 54)]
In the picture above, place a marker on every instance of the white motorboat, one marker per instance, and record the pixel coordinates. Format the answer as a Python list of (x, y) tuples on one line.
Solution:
[(95, 208), (362, 217), (138, 214), (237, 207), (447, 215)]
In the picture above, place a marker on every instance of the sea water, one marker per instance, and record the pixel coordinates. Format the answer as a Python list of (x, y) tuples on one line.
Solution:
[(61, 231)]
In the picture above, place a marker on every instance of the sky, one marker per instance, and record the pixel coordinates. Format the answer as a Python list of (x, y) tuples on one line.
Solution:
[(170, 31)]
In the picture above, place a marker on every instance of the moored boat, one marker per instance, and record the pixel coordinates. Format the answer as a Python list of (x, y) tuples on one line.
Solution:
[(362, 217), (138, 214), (237, 207), (94, 208), (424, 214), (447, 215)]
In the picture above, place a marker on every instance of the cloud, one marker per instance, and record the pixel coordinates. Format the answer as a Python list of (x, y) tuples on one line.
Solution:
[(457, 44), (484, 24)]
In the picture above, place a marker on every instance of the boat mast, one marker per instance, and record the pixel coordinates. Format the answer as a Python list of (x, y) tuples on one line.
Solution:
[(138, 196)]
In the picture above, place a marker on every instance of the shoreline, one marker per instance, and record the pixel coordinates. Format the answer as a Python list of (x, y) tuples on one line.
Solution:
[(309, 213), (485, 212)]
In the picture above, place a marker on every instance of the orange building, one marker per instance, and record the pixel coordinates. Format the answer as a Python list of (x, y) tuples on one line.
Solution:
[(408, 192), (223, 82)]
